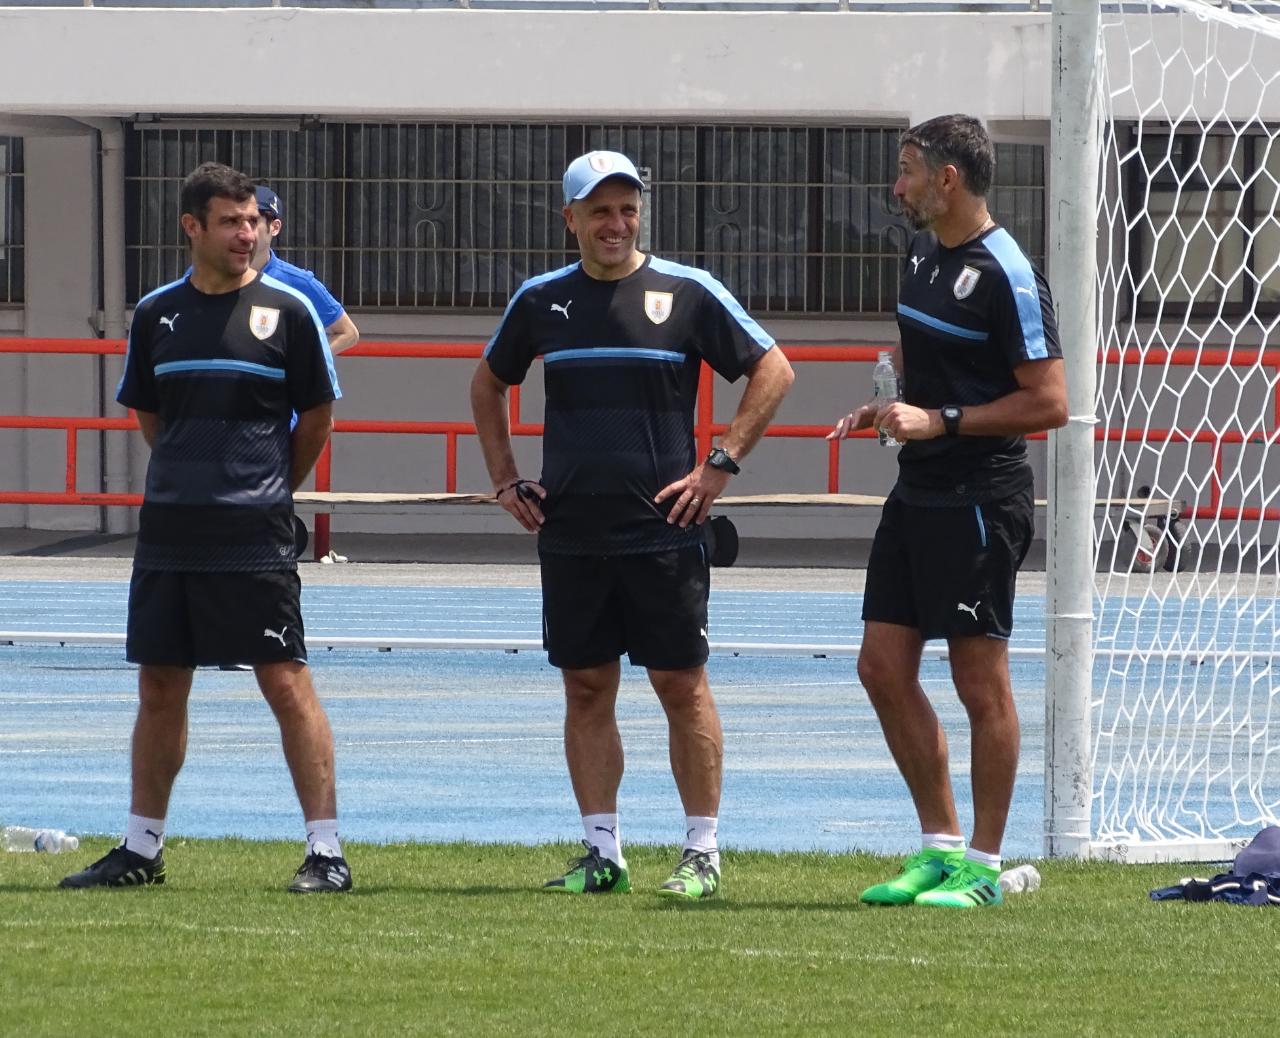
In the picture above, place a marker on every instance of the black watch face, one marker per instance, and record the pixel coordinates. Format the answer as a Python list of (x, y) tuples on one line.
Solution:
[(719, 459)]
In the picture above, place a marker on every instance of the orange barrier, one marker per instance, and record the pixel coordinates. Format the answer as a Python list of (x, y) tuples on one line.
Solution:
[(705, 428)]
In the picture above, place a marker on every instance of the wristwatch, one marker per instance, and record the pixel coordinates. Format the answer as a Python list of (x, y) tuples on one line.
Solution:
[(721, 459), (951, 415)]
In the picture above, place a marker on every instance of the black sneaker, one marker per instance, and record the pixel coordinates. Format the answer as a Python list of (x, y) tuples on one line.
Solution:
[(591, 874), (120, 868), (321, 874)]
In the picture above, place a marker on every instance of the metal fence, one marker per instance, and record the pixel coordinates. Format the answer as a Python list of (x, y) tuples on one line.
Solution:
[(977, 6), (11, 237), (437, 216)]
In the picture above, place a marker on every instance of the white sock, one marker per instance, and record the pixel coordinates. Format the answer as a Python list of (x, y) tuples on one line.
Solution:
[(144, 836), (604, 834), (941, 842), (991, 861), (700, 835), (322, 838)]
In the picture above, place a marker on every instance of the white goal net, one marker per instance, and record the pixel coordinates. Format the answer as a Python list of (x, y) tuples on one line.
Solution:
[(1185, 709)]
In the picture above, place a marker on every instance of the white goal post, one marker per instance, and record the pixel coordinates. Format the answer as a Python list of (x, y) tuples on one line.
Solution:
[(1162, 708)]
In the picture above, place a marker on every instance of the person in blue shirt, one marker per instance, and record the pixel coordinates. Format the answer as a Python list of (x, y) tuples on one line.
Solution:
[(338, 326)]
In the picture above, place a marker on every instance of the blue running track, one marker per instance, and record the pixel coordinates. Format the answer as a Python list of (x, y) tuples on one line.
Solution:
[(453, 745)]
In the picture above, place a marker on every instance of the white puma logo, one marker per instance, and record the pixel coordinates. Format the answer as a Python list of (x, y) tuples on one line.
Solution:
[(971, 610), (1020, 288), (915, 264), (170, 321), (557, 308), (267, 632)]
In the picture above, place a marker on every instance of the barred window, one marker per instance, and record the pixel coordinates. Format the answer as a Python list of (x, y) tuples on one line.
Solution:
[(1017, 199), (440, 216), (11, 260)]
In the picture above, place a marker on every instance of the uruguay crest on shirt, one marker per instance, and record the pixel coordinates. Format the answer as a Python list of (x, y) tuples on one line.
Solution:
[(657, 305), (263, 321), (966, 283)]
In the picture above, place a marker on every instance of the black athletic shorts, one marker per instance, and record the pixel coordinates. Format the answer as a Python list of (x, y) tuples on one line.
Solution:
[(949, 572), (652, 607), (214, 619)]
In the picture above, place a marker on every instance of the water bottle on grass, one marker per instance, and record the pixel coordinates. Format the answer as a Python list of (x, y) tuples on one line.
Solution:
[(45, 841), (1023, 879)]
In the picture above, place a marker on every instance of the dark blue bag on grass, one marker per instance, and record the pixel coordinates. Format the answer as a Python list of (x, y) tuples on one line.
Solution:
[(1254, 878)]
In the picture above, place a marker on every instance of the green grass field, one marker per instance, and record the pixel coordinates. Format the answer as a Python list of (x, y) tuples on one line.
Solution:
[(458, 939)]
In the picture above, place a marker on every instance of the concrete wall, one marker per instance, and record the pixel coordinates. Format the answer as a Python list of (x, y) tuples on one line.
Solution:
[(477, 64)]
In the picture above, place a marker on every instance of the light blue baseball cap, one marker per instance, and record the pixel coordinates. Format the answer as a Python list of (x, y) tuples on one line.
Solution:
[(586, 171)]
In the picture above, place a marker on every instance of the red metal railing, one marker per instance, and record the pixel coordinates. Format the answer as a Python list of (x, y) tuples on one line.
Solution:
[(706, 428)]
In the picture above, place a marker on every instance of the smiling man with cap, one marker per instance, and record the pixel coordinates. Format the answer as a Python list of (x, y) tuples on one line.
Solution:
[(620, 504)]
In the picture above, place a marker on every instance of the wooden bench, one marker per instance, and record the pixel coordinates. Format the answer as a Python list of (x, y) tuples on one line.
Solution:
[(1138, 513)]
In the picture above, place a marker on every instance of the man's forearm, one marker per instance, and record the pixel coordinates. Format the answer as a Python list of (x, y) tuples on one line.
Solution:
[(342, 334), (309, 437), (149, 423), (767, 383), (493, 428), (1018, 413)]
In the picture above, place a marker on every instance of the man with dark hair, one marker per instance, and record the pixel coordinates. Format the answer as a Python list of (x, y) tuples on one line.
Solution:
[(621, 501), (956, 140), (217, 362), (980, 367)]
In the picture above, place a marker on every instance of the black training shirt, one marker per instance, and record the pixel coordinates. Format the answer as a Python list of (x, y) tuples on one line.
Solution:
[(968, 316), (621, 361), (224, 374)]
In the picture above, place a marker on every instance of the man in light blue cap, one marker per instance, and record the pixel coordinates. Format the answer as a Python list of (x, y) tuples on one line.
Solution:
[(588, 170), (620, 504)]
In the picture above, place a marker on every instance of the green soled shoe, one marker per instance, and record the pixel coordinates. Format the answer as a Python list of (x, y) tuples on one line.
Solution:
[(970, 886), (694, 878), (591, 874), (921, 872)]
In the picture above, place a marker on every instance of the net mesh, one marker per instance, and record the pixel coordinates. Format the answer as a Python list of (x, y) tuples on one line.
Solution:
[(1187, 643)]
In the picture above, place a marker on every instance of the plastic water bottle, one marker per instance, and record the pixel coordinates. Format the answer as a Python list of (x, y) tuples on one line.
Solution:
[(1023, 879), (46, 841), (885, 382)]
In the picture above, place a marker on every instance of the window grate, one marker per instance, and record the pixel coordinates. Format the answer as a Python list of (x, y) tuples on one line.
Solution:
[(11, 229), (453, 217)]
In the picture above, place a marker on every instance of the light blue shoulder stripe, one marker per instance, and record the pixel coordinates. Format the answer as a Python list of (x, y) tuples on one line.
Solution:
[(1026, 292), (762, 338), (157, 291), (271, 282), (533, 282), (128, 349)]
